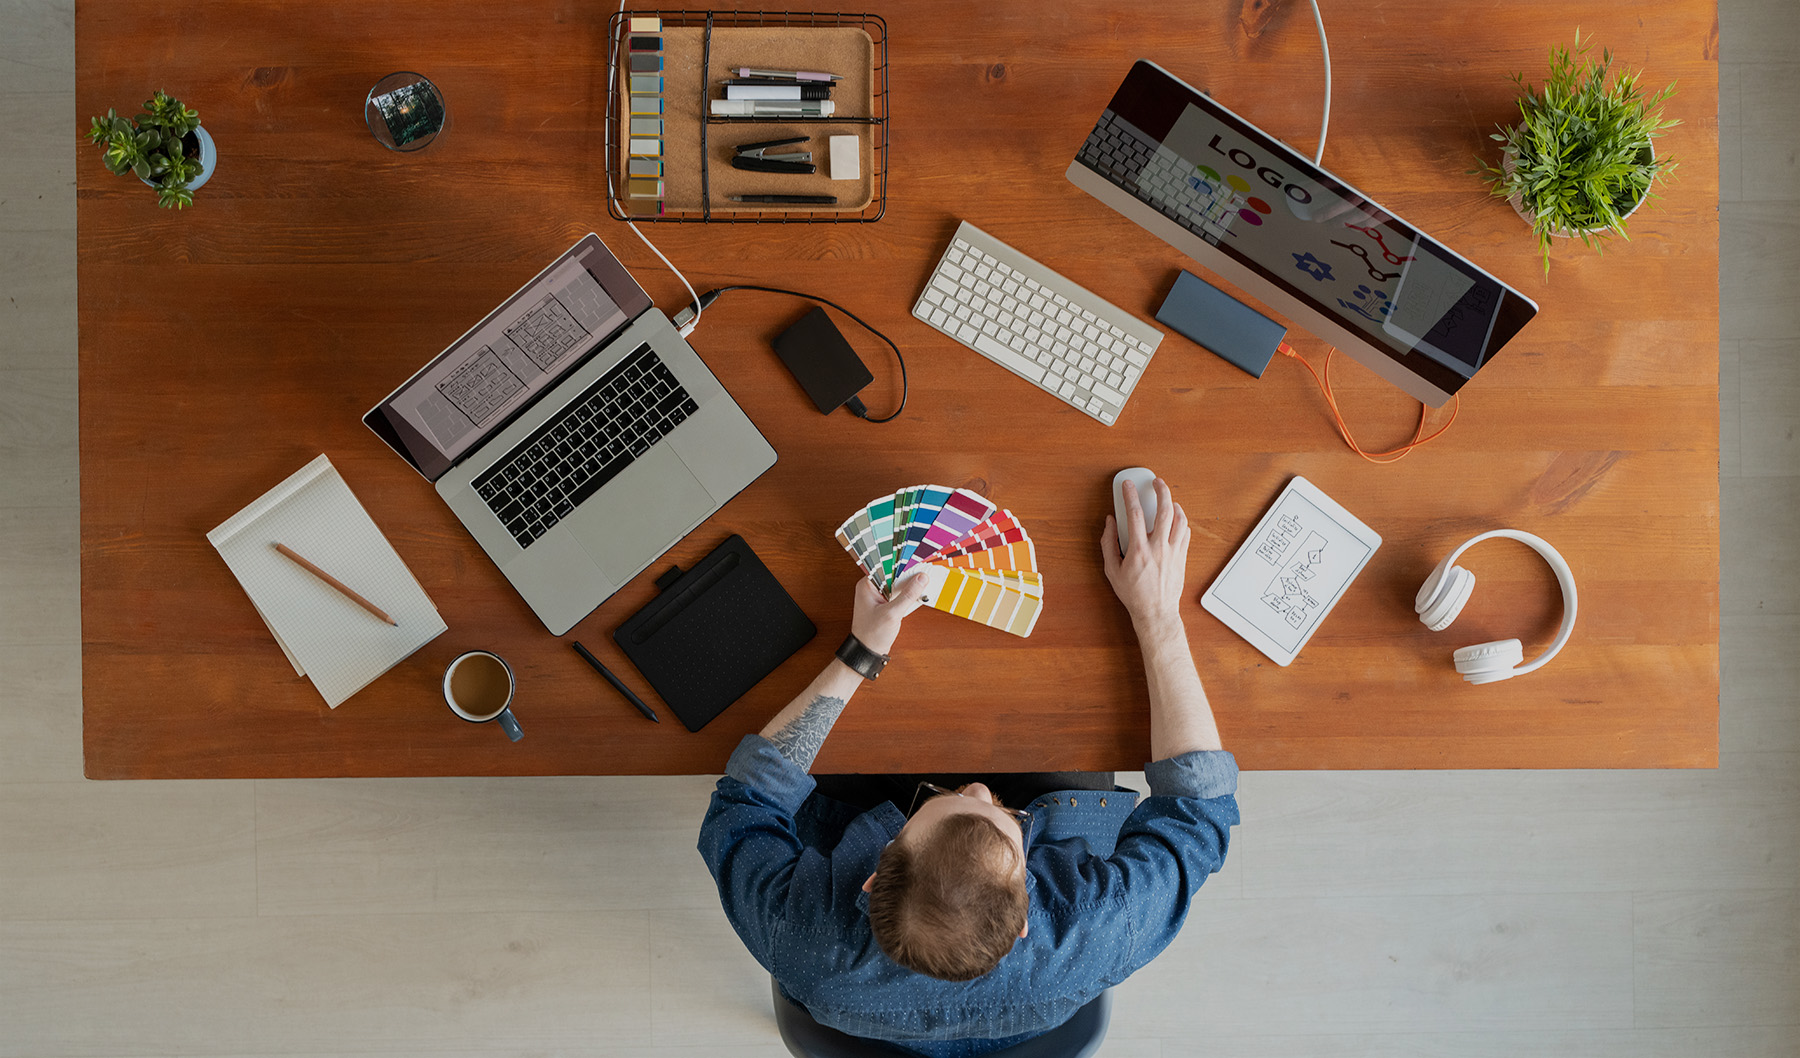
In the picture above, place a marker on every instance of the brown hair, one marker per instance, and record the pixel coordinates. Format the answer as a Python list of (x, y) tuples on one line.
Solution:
[(952, 906)]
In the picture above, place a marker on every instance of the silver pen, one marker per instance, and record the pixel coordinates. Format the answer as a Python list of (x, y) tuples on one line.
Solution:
[(791, 75)]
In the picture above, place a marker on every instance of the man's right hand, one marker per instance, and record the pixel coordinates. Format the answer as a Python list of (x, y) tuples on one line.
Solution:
[(1150, 581), (1151, 578)]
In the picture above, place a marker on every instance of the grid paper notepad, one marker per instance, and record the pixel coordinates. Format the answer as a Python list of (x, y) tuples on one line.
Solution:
[(338, 644)]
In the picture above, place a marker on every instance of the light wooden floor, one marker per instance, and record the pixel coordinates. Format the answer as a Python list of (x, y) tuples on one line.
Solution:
[(1386, 914)]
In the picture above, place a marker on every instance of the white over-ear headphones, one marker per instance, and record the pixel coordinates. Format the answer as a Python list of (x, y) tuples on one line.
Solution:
[(1443, 594)]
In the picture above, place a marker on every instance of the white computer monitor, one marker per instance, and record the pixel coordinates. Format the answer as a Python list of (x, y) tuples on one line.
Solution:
[(1310, 246)]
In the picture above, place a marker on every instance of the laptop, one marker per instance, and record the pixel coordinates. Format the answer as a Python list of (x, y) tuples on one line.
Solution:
[(575, 433)]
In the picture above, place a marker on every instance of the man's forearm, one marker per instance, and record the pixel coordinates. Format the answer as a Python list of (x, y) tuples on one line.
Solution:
[(1181, 720), (800, 728)]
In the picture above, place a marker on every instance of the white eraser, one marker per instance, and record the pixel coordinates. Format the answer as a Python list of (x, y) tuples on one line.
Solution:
[(846, 158)]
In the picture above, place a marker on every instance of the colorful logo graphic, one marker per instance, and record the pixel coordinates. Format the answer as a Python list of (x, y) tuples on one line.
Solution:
[(1312, 266), (1372, 305)]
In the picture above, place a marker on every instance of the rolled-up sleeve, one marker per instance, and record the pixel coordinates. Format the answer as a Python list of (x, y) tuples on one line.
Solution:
[(1169, 845), (749, 842)]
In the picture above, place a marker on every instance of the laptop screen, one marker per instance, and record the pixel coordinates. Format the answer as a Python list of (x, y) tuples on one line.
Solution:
[(1291, 223), (505, 362)]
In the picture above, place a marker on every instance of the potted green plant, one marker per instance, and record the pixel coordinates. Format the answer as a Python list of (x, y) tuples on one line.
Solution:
[(164, 147), (1582, 157)]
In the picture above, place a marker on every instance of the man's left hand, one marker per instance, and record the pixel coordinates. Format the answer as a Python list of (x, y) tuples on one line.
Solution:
[(875, 620)]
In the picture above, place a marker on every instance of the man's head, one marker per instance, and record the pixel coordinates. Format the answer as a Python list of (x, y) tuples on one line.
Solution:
[(947, 898)]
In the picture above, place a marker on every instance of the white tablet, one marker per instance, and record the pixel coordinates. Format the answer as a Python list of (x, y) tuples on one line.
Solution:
[(1295, 566)]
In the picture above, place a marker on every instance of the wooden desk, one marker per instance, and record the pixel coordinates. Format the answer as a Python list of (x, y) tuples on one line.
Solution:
[(223, 347)]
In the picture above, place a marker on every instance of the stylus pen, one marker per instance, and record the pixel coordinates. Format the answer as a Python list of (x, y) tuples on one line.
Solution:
[(618, 684), (790, 200)]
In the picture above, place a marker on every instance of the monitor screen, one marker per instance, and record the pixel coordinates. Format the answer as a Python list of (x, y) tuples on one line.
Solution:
[(1229, 194)]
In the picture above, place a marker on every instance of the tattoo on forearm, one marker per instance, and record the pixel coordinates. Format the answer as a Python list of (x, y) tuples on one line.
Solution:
[(800, 738)]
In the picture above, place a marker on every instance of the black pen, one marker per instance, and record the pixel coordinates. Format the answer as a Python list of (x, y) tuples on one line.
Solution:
[(618, 684), (788, 200)]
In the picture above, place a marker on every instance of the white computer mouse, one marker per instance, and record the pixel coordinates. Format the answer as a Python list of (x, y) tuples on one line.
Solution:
[(1142, 478)]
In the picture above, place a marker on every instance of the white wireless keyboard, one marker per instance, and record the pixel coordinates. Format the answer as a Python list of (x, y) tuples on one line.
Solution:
[(1035, 323)]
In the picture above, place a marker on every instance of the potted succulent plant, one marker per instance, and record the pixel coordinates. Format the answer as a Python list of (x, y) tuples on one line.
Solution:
[(1582, 157), (164, 147)]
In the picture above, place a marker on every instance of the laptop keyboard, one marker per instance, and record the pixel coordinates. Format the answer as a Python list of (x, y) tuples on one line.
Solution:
[(600, 433)]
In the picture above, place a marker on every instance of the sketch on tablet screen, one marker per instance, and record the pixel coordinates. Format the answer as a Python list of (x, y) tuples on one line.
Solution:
[(1291, 570), (1286, 593)]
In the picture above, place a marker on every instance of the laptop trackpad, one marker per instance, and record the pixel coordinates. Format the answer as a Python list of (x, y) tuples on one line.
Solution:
[(640, 513)]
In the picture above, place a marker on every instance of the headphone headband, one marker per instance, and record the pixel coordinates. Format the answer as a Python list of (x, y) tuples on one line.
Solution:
[(1565, 578)]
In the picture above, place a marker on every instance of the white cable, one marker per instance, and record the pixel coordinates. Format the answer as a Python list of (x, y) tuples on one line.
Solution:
[(612, 85), (688, 327), (1324, 49)]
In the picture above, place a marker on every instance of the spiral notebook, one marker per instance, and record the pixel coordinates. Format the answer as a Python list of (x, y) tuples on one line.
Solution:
[(327, 637)]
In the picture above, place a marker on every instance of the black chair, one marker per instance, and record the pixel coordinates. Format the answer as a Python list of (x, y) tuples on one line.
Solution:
[(1078, 1037)]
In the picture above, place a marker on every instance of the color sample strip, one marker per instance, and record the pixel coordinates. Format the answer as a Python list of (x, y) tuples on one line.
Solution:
[(985, 602), (643, 167), (881, 537), (646, 126), (1024, 619), (930, 503), (1027, 582), (955, 584), (646, 63), (995, 532), (854, 536), (905, 501), (643, 24), (1018, 555), (962, 511)]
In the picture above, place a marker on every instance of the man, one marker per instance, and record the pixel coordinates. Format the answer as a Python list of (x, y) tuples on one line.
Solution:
[(970, 927)]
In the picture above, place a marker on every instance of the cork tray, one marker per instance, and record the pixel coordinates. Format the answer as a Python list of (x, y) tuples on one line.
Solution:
[(690, 81)]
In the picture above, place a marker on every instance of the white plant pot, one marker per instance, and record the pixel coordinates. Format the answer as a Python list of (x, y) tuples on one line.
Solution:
[(209, 157), (1508, 165)]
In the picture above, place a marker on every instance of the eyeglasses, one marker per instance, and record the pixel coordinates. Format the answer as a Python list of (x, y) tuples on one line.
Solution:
[(927, 791)]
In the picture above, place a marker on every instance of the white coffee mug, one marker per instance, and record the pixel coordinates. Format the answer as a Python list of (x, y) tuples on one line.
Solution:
[(479, 686)]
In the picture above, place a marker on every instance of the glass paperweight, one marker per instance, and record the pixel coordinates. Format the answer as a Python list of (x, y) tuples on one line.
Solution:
[(405, 111)]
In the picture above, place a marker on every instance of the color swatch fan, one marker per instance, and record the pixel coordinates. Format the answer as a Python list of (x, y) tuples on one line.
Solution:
[(990, 565)]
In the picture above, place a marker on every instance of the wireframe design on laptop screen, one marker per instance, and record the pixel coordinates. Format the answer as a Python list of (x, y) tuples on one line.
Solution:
[(502, 364)]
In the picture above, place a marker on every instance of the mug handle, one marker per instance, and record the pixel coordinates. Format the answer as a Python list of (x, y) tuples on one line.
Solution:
[(510, 724)]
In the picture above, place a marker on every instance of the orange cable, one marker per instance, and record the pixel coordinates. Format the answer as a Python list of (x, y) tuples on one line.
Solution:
[(1343, 428)]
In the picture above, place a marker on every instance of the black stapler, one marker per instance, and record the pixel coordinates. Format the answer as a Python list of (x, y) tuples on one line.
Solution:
[(752, 156)]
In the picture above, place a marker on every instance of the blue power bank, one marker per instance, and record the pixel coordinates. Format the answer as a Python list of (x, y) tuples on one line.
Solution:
[(1220, 323)]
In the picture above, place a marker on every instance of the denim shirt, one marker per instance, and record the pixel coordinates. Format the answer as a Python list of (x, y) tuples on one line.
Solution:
[(1108, 887)]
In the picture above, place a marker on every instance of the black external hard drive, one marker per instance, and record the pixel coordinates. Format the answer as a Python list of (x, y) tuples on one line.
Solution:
[(827, 368), (1223, 325)]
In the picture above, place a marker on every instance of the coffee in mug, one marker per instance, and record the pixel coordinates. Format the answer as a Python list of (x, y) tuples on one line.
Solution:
[(479, 686)]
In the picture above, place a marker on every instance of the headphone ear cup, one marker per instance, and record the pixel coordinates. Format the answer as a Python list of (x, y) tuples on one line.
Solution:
[(1447, 601), (1489, 662)]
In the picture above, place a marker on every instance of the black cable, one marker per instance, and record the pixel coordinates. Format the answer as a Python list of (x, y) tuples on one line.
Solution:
[(853, 403)]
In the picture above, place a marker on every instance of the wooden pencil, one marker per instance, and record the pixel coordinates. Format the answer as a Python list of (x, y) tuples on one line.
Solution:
[(336, 583)]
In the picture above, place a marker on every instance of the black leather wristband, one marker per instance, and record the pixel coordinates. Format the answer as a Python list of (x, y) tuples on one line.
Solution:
[(861, 660)]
